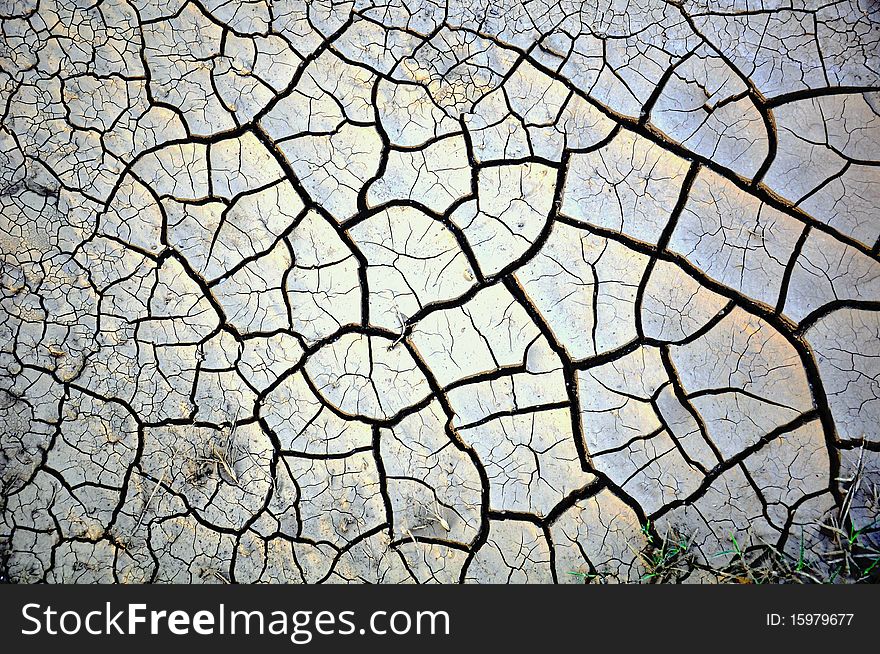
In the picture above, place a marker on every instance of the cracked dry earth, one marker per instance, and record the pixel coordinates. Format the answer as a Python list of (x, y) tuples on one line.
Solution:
[(411, 291)]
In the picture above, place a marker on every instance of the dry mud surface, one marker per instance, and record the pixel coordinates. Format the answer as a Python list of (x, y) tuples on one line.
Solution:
[(425, 291)]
